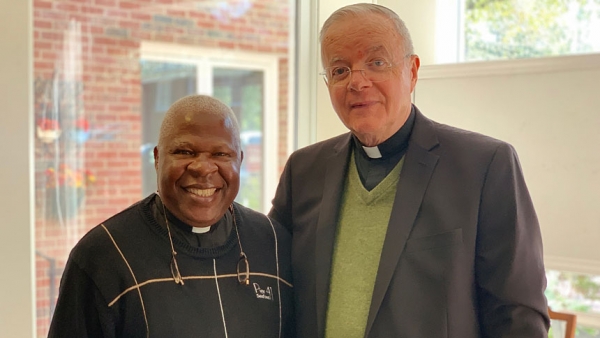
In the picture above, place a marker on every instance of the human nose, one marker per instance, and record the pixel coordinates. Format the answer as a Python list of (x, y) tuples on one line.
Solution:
[(357, 80), (202, 165)]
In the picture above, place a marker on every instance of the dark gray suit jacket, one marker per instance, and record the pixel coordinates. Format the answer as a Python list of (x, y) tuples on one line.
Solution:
[(462, 256)]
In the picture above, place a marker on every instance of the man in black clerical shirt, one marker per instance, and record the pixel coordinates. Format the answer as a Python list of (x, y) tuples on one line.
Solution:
[(186, 261)]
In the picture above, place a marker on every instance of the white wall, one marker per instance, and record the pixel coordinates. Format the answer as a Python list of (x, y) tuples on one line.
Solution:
[(549, 109), (16, 171)]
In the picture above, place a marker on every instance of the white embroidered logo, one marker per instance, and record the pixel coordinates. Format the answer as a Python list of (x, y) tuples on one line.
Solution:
[(263, 293)]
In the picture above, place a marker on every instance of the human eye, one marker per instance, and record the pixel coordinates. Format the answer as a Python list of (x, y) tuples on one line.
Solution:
[(377, 64), (221, 154), (185, 152), (338, 72)]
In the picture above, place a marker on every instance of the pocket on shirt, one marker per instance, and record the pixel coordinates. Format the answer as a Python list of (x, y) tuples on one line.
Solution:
[(442, 240)]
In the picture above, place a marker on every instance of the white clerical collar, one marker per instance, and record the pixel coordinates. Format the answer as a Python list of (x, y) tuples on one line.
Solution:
[(372, 152), (201, 230)]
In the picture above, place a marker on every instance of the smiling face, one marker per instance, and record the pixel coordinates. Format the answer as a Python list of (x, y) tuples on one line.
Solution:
[(373, 111), (197, 163)]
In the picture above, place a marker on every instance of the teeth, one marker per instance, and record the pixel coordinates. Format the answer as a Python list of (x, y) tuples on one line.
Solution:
[(202, 192)]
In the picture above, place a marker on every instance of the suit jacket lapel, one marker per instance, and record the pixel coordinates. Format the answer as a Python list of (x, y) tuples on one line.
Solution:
[(335, 175), (414, 178)]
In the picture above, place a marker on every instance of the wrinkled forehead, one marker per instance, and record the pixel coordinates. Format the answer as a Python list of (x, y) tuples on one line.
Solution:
[(347, 40)]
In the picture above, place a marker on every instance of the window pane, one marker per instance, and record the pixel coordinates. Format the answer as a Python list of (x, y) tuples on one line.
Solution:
[(242, 90), (163, 83), (573, 292), (510, 29), (100, 97)]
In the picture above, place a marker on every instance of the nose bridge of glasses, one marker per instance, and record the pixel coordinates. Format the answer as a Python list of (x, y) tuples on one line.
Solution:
[(364, 75)]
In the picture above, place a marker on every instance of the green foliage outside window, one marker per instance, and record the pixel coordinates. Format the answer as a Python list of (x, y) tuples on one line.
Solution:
[(511, 29), (567, 291)]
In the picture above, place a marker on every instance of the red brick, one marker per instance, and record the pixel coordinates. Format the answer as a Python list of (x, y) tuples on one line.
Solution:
[(92, 10), (129, 43), (106, 3), (129, 5), (39, 4), (117, 13), (229, 45), (52, 36), (129, 154), (206, 24), (130, 99), (53, 15), (228, 28), (43, 65), (198, 15), (42, 24), (49, 55), (141, 16), (141, 35), (118, 108), (65, 6), (89, 28), (117, 51), (129, 24), (175, 13), (105, 41)]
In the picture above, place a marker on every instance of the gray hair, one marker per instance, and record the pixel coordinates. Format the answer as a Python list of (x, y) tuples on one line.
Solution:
[(200, 104), (360, 9)]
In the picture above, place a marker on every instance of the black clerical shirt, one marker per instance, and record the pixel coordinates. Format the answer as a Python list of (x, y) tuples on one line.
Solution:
[(374, 170)]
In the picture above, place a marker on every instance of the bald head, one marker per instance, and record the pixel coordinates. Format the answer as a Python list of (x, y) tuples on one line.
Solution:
[(358, 11), (187, 107), (198, 160)]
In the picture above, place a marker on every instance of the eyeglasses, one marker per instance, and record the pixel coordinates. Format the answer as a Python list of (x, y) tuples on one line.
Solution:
[(243, 266), (375, 71)]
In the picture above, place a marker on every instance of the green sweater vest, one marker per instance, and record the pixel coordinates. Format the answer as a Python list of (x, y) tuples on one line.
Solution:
[(362, 226)]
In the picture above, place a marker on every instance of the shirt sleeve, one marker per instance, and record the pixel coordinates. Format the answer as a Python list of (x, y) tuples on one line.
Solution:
[(81, 310), (509, 264)]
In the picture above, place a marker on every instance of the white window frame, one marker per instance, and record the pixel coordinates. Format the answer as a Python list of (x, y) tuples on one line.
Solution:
[(205, 60)]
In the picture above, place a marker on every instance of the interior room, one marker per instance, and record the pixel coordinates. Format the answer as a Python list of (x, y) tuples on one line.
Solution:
[(86, 83)]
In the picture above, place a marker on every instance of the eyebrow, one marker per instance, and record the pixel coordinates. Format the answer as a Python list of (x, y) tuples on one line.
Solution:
[(369, 51)]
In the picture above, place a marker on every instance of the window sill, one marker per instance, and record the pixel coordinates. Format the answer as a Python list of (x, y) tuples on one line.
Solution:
[(512, 67)]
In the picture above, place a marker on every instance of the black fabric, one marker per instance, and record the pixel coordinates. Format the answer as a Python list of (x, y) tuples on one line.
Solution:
[(98, 297), (373, 170), (218, 234)]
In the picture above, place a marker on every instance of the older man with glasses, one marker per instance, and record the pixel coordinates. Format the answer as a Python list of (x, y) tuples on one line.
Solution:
[(405, 227)]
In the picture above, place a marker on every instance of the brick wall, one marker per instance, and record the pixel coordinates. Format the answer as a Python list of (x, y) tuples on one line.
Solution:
[(91, 47)]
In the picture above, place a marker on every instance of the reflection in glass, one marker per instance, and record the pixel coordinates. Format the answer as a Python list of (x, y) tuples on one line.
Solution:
[(100, 98)]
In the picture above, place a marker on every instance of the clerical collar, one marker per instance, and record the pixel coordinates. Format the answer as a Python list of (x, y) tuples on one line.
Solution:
[(392, 145), (372, 152), (199, 230), (188, 228)]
